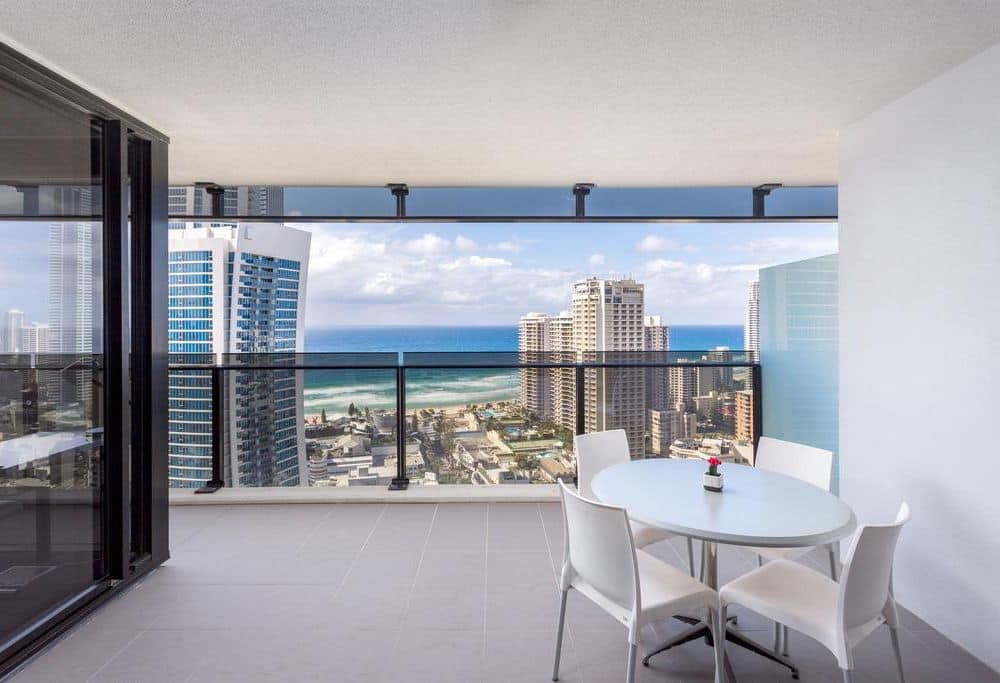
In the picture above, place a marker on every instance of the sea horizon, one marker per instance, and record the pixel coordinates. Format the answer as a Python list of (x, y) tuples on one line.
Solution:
[(333, 391)]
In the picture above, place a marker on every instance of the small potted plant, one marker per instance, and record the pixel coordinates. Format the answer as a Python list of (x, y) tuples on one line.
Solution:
[(713, 478)]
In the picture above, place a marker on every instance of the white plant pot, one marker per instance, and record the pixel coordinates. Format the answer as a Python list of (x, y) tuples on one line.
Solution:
[(712, 482)]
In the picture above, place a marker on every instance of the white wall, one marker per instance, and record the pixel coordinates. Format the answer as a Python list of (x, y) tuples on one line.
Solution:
[(919, 353)]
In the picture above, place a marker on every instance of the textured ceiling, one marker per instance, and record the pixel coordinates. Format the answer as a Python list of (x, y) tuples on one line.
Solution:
[(483, 92)]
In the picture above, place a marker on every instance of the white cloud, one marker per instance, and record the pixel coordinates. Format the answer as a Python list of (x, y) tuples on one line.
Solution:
[(428, 244), (810, 246), (513, 246), (376, 276), (597, 259), (464, 243), (651, 243)]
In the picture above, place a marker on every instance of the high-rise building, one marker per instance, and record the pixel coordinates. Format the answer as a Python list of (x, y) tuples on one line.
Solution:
[(35, 338), (683, 386), (72, 298), (751, 326), (238, 290), (11, 334), (664, 427), (715, 377), (608, 318), (533, 344), (744, 416), (548, 392), (656, 338)]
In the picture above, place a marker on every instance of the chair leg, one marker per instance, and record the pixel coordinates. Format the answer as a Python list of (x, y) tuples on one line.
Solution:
[(559, 635), (690, 545), (633, 651), (784, 640), (848, 676), (777, 638), (833, 561), (719, 639), (894, 635)]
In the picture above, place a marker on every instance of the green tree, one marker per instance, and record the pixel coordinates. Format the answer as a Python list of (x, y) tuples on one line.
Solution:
[(322, 415), (351, 410)]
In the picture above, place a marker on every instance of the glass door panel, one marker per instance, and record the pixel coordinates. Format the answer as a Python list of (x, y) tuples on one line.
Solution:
[(52, 544)]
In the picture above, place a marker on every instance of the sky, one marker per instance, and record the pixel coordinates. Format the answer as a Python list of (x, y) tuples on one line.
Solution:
[(490, 274)]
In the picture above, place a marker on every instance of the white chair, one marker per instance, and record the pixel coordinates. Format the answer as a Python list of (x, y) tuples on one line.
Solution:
[(838, 615), (811, 465), (595, 452), (601, 562)]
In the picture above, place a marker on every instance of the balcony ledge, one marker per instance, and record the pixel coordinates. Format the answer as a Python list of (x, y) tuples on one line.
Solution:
[(451, 493)]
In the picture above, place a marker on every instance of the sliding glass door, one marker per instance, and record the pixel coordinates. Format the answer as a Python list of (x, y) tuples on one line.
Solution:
[(52, 390)]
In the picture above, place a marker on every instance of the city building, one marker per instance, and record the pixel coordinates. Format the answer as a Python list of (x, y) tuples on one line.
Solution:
[(35, 338), (683, 383), (533, 344), (12, 332), (664, 427), (71, 301), (607, 318), (656, 338), (744, 416), (238, 290), (751, 325)]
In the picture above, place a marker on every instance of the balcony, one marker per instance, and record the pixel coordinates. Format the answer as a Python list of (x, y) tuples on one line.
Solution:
[(406, 592)]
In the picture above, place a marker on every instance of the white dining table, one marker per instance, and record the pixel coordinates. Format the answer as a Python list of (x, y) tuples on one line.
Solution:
[(755, 508)]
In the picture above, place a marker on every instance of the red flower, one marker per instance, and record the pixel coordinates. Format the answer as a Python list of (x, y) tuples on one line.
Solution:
[(714, 462)]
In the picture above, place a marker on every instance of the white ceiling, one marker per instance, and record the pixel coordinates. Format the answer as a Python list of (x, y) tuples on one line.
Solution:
[(491, 92)]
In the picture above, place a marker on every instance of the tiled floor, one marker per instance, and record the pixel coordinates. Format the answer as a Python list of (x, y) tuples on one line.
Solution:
[(415, 593)]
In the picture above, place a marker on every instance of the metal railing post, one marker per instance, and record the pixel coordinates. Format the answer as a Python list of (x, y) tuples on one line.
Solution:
[(400, 482), (218, 433)]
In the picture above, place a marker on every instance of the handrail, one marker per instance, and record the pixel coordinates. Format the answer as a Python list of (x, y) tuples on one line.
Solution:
[(400, 363)]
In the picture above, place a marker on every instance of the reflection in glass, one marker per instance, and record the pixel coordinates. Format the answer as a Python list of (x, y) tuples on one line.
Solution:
[(51, 384)]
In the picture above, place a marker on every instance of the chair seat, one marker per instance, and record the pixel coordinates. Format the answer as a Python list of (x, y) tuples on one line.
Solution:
[(664, 590), (667, 590), (796, 596), (643, 534)]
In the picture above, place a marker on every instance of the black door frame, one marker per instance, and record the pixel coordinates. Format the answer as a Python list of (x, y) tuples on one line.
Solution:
[(134, 472)]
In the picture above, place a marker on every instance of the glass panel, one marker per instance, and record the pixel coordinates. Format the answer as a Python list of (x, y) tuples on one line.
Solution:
[(490, 201), (49, 164), (51, 399), (798, 347), (671, 201), (802, 201)]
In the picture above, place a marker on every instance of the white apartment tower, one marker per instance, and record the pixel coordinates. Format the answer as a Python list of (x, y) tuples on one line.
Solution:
[(607, 318), (656, 338), (12, 331), (751, 326), (533, 344), (238, 290), (35, 338)]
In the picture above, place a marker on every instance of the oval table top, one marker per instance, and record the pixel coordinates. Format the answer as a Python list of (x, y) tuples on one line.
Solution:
[(755, 507)]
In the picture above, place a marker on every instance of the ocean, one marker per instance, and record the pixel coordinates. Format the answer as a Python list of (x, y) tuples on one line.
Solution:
[(334, 390)]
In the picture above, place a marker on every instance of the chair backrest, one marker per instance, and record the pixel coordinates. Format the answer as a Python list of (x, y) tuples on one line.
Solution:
[(594, 452), (600, 548), (811, 465), (865, 581)]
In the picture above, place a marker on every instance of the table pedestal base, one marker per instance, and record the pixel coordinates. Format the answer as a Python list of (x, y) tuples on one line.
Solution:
[(700, 629)]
